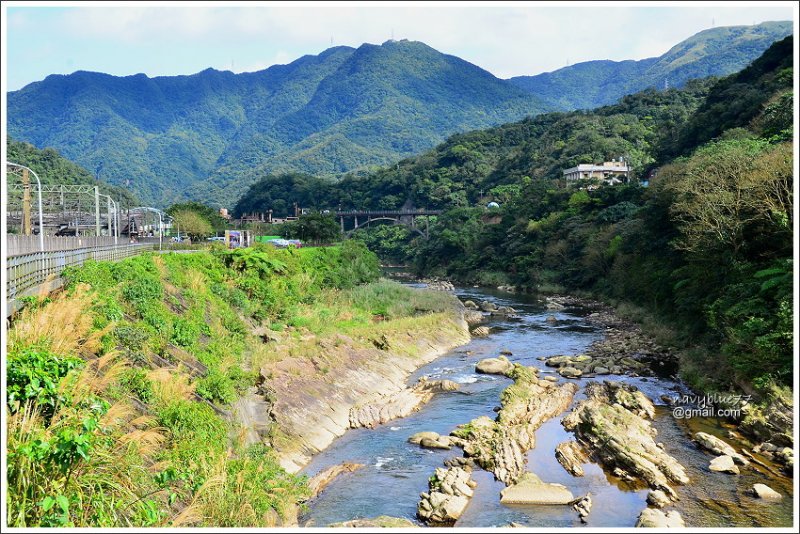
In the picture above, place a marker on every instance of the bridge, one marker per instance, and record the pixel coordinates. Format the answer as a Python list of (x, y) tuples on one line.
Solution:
[(405, 217)]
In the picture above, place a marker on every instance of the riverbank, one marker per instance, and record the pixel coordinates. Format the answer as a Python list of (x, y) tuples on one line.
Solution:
[(322, 381)]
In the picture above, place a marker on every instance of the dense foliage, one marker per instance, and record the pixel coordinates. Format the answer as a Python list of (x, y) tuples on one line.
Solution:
[(208, 135), (116, 385), (712, 52), (707, 246)]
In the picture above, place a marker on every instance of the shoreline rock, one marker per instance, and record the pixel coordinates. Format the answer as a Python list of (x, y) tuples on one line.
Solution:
[(399, 404), (571, 456), (652, 518), (450, 490), (321, 480)]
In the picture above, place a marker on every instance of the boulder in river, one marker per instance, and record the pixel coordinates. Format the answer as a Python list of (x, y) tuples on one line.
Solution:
[(499, 446), (481, 331), (658, 499), (719, 447), (570, 372), (551, 319), (494, 366), (419, 436), (723, 464), (652, 518), (583, 507), (762, 491), (429, 443), (488, 306), (448, 496), (470, 305), (530, 489), (571, 456), (473, 317)]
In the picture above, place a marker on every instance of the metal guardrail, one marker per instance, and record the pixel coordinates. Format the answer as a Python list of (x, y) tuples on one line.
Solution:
[(17, 245), (28, 271)]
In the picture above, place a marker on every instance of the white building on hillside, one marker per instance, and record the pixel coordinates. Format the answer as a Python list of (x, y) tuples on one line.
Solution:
[(612, 172)]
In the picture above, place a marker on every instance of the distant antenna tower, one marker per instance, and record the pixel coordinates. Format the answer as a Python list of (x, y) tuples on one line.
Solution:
[(392, 34), (331, 40), (712, 22), (666, 84)]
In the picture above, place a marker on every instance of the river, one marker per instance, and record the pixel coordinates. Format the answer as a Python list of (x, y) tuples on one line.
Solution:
[(396, 471)]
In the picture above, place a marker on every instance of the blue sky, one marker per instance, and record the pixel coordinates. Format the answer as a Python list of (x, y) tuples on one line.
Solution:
[(506, 39)]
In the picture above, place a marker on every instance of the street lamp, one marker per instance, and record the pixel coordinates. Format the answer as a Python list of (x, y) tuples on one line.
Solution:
[(115, 233), (39, 192)]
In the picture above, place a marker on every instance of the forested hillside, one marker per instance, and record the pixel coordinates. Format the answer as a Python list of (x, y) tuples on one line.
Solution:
[(206, 136), (457, 171), (712, 52)]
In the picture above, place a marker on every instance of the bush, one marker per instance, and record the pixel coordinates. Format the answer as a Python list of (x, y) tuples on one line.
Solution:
[(34, 374)]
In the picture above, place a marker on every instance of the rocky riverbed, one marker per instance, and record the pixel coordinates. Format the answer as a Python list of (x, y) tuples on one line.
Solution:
[(603, 450)]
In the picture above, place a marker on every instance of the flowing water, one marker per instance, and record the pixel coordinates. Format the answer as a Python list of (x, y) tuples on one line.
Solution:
[(396, 471)]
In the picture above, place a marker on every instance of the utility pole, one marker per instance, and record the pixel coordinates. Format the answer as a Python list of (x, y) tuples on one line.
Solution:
[(108, 211), (26, 203)]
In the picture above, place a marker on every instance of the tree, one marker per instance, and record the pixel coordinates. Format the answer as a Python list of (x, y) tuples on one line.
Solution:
[(208, 213), (314, 227), (193, 224)]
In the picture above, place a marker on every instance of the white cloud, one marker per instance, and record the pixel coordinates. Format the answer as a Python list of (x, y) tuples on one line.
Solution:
[(508, 40)]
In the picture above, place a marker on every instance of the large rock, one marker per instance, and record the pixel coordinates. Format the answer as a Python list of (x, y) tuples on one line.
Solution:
[(570, 372), (719, 447), (449, 493), (571, 456), (723, 464), (473, 317), (419, 436), (488, 306), (623, 440), (470, 305), (494, 366), (383, 521), (531, 490), (481, 331), (762, 491), (652, 518), (434, 444)]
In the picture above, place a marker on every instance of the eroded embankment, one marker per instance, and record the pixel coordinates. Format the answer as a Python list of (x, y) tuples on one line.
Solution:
[(325, 385)]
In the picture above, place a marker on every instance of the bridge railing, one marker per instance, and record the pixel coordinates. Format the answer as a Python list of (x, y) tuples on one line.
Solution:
[(28, 271), (379, 213)]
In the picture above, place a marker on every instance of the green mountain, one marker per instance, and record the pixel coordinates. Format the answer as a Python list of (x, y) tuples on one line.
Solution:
[(208, 135), (713, 52)]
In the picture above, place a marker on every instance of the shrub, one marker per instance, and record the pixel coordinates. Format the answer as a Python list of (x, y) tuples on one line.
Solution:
[(34, 374)]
